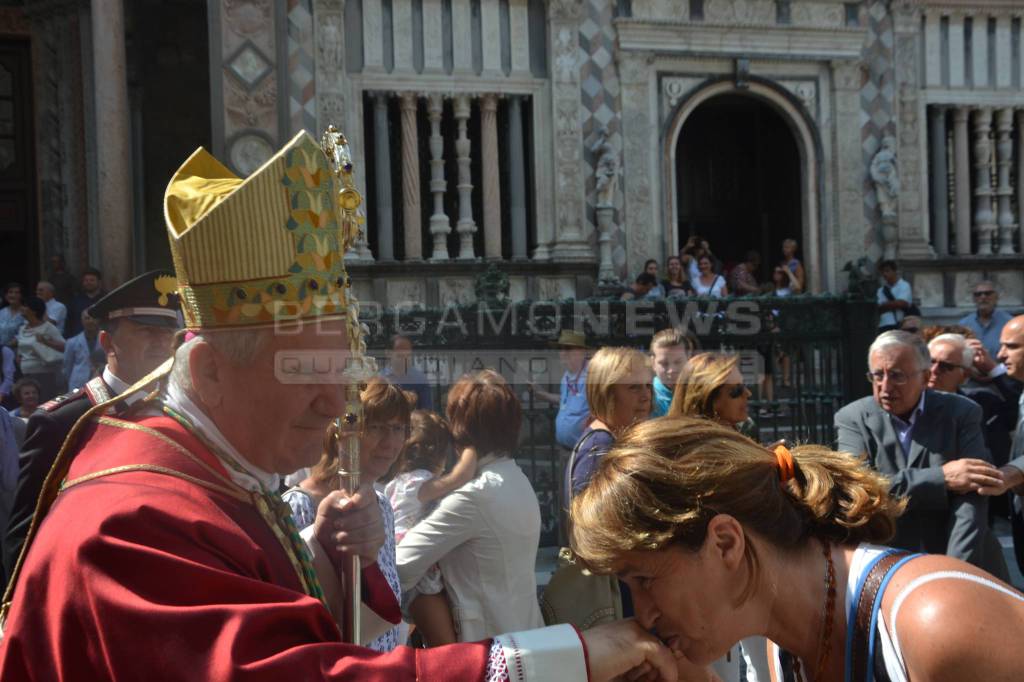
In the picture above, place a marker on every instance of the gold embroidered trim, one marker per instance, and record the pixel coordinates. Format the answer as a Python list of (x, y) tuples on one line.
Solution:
[(132, 426), (154, 468)]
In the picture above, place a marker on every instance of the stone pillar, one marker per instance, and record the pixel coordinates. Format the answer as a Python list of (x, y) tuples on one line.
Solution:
[(938, 175), (411, 219), (440, 227), (382, 160), (517, 177), (913, 242), (1004, 192), (491, 176), (962, 181), (984, 220), (465, 226), (564, 18), (1020, 175), (113, 141)]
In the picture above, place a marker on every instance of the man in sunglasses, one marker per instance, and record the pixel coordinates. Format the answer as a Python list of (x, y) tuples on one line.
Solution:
[(987, 320), (929, 444)]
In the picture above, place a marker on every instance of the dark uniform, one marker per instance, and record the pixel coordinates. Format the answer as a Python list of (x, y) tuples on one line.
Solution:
[(148, 299), (46, 431)]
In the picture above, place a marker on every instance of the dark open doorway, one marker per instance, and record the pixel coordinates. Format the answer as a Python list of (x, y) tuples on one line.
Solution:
[(738, 170), (19, 236)]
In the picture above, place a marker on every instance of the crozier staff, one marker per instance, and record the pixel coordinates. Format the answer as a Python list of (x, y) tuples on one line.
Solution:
[(720, 539)]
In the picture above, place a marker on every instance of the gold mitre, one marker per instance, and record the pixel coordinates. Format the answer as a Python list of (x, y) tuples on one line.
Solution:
[(265, 250)]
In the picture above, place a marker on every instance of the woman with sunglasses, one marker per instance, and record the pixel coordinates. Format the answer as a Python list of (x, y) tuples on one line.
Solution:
[(483, 535), (712, 388), (386, 413)]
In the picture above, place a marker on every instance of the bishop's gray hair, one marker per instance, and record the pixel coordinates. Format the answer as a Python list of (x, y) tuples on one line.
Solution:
[(240, 346), (899, 339)]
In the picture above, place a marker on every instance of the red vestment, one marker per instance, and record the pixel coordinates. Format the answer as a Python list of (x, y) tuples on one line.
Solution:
[(140, 575)]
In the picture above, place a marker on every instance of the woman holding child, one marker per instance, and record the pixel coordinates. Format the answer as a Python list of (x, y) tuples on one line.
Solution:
[(484, 534)]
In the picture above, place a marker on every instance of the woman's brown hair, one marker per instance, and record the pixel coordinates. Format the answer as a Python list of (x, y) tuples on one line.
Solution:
[(484, 413), (665, 479), (428, 445), (697, 388), (382, 402)]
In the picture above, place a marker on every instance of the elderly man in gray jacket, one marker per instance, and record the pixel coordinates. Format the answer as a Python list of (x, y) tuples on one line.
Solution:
[(929, 443)]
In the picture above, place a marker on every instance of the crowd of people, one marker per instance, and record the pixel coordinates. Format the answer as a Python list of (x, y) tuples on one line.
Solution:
[(696, 271), (181, 514)]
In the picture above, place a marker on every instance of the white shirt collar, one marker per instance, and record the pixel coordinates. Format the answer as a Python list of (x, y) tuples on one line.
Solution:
[(118, 386), (251, 477)]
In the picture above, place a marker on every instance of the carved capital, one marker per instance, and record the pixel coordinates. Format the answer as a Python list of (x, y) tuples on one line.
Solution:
[(847, 74), (565, 10)]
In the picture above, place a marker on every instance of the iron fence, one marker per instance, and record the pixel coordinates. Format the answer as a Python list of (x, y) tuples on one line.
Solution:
[(803, 358)]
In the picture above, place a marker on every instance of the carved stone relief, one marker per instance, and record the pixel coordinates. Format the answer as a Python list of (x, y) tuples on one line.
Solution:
[(818, 14), (806, 92), (638, 223), (673, 89), (739, 11)]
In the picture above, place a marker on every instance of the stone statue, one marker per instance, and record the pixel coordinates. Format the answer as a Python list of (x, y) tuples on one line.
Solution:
[(885, 176), (606, 170)]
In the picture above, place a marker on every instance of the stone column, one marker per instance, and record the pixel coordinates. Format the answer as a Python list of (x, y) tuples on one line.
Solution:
[(465, 226), (492, 178), (962, 181), (564, 18), (411, 219), (1004, 192), (984, 220), (382, 160), (440, 227), (113, 141), (939, 200), (1020, 174), (517, 177), (913, 242)]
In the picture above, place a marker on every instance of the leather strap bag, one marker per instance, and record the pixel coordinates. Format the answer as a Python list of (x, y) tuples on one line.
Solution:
[(573, 596)]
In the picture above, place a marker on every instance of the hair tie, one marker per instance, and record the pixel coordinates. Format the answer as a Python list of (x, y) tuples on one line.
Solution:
[(787, 467), (189, 336)]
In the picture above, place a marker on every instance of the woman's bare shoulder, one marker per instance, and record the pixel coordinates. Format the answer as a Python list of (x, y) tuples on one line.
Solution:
[(963, 625)]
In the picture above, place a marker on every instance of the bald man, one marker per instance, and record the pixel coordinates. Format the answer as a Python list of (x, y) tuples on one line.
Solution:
[(1011, 354)]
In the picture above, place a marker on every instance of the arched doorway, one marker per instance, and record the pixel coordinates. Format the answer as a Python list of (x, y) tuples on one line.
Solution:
[(744, 168), (738, 179)]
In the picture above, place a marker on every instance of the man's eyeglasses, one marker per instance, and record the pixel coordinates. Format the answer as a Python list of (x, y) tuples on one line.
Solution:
[(910, 330), (896, 377), (382, 430), (943, 366), (987, 292)]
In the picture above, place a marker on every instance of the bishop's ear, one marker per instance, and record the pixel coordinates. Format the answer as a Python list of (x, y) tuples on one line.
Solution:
[(206, 373)]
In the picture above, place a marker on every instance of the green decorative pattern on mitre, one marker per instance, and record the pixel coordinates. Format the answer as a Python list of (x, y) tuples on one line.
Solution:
[(260, 251)]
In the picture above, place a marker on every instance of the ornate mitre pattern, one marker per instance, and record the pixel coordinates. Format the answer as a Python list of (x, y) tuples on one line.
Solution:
[(262, 251)]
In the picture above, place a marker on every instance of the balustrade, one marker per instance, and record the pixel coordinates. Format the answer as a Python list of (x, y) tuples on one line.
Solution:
[(986, 163), (496, 154)]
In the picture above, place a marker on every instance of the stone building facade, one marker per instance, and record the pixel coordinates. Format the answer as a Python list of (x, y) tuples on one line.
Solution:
[(561, 138)]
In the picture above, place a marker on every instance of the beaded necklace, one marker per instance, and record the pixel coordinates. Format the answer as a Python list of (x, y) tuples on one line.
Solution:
[(828, 617)]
